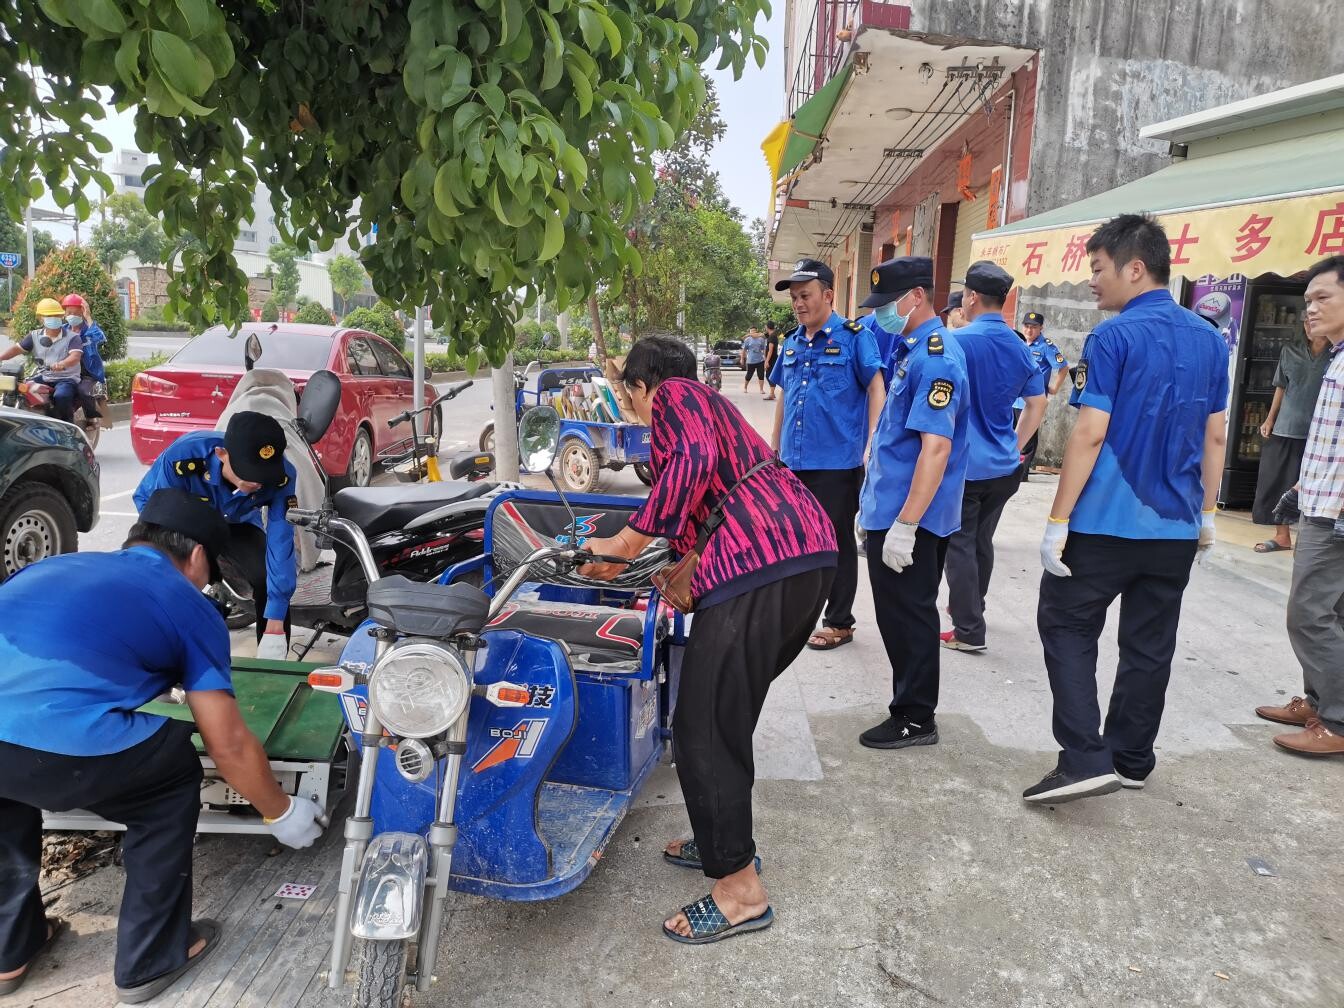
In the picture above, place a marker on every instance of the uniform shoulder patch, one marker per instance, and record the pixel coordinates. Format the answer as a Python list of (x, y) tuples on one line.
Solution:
[(853, 326), (1080, 376), (940, 393), (1059, 358), (191, 467), (936, 345), (291, 502)]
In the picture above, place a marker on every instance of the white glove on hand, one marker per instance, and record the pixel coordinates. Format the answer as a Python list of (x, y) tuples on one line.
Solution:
[(898, 551), (1207, 534), (301, 824), (1052, 547), (273, 647)]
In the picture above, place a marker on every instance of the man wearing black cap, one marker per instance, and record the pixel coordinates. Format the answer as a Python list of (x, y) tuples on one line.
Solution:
[(911, 500), (954, 315), (829, 372), (243, 474), (1000, 370), (72, 735), (1052, 364)]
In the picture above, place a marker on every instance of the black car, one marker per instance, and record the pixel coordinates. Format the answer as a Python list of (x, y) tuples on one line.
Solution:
[(730, 353), (48, 489)]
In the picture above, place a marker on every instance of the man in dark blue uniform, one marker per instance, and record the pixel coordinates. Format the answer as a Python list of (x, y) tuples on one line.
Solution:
[(911, 500), (244, 475), (1052, 364), (72, 736), (1135, 502), (1000, 370), (830, 375)]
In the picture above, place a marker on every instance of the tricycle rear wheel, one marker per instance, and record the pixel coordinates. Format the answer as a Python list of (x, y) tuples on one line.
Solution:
[(644, 473), (579, 466), (380, 974)]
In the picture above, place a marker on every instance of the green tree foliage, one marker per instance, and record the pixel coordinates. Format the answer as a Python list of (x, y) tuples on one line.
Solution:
[(285, 278), (270, 311), (127, 229), (497, 146), (12, 239), (381, 320), (313, 313), (74, 270), (347, 277)]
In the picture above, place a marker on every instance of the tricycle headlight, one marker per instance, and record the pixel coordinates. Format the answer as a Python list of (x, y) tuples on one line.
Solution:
[(419, 689)]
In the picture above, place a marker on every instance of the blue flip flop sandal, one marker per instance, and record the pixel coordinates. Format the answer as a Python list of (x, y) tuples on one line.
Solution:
[(690, 857), (708, 924)]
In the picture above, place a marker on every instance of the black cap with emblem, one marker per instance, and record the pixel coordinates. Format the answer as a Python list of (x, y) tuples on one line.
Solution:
[(953, 301), (1033, 318), (990, 279), (256, 447), (179, 511), (894, 277), (808, 269)]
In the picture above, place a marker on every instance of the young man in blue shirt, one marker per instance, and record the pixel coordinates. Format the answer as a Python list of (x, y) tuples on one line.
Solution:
[(1135, 501), (911, 500), (72, 736), (999, 370), (831, 378), (1052, 364)]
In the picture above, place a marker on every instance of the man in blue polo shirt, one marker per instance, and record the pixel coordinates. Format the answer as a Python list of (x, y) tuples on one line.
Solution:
[(72, 737), (911, 500), (1135, 502), (830, 375), (1000, 370), (1052, 364)]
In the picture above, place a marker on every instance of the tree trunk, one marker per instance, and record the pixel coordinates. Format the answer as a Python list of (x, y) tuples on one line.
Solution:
[(506, 431)]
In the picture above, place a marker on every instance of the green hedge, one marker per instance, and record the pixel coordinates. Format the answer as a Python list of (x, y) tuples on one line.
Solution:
[(121, 373), (438, 363), (149, 325)]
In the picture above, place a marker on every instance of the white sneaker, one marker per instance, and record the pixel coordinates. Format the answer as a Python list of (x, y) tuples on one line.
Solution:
[(1129, 783)]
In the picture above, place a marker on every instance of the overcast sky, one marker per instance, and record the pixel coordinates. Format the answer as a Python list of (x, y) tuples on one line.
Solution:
[(750, 107)]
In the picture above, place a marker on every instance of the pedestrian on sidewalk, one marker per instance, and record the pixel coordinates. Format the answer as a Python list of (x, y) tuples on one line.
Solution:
[(1297, 383), (1135, 502), (771, 354), (831, 378), (911, 501), (754, 350), (999, 370), (1054, 367), (1316, 599), (762, 579)]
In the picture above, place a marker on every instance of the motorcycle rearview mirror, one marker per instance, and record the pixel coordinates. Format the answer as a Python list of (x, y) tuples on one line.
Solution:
[(252, 350), (538, 443), (318, 405)]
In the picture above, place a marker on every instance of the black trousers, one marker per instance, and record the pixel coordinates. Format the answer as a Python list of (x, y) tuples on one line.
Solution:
[(1028, 450), (736, 650), (837, 491), (907, 617), (757, 369), (970, 552), (154, 789), (1149, 576), (247, 550)]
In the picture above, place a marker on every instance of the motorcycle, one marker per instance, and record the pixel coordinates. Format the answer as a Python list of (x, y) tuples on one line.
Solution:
[(34, 395), (503, 735), (713, 371)]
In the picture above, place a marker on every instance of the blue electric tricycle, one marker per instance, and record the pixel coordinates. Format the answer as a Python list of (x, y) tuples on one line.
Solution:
[(503, 734)]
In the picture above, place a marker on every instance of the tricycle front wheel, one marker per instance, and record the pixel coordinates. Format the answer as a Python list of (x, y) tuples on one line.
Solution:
[(380, 974), (579, 466), (487, 440), (644, 473)]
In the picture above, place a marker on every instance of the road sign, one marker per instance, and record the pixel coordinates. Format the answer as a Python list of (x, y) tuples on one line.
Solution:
[(10, 260)]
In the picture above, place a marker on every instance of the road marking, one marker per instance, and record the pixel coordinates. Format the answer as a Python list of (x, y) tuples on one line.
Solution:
[(124, 493), (120, 514)]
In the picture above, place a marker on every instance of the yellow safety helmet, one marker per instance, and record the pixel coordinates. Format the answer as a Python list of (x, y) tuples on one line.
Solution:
[(48, 306)]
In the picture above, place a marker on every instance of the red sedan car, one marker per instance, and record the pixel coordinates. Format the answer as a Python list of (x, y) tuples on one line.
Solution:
[(189, 392)]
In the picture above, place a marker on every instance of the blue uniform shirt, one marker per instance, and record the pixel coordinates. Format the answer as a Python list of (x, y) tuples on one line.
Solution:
[(190, 463), (92, 362), (928, 396), (1048, 359), (139, 628), (886, 346), (825, 385), (1000, 369), (1160, 371)]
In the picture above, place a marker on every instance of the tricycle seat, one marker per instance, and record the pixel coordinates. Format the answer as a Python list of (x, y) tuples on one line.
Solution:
[(380, 509), (595, 634), (416, 609)]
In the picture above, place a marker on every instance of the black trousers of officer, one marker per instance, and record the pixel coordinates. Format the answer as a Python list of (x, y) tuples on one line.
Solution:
[(970, 552), (247, 550), (907, 618), (837, 491), (1028, 450), (736, 650), (154, 789), (1149, 577)]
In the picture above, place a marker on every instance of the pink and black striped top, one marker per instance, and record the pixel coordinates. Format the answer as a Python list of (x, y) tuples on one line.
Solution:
[(773, 527)]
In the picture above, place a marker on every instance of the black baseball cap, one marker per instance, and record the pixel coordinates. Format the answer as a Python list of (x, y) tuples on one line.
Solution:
[(1033, 318), (808, 269), (178, 511), (990, 279), (256, 446), (953, 301), (894, 277)]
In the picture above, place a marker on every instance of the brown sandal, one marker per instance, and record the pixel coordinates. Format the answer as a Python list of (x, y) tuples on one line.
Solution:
[(55, 928), (830, 638)]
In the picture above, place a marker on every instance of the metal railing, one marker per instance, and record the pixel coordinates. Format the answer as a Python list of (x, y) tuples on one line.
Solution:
[(823, 48)]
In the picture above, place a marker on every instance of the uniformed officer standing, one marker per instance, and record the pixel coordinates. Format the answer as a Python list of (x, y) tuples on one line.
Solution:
[(954, 316), (830, 375), (1052, 364), (1000, 370), (886, 346), (911, 500), (244, 475), (1144, 459)]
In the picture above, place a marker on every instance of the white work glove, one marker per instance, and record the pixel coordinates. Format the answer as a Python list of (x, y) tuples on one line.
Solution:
[(1052, 547), (301, 824), (1207, 534), (898, 551), (273, 647)]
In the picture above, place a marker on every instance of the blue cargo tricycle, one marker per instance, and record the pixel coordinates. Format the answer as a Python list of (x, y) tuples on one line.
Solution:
[(503, 734)]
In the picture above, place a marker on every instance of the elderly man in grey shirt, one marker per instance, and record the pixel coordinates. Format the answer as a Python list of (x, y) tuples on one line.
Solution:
[(754, 348)]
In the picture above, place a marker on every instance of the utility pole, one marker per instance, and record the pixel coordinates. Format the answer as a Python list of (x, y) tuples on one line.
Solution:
[(563, 323), (28, 232)]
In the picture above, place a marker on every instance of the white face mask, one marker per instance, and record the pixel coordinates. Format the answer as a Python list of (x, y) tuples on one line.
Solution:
[(52, 322), (889, 318), (75, 320)]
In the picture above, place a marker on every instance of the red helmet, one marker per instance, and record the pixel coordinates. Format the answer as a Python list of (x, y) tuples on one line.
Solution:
[(74, 301)]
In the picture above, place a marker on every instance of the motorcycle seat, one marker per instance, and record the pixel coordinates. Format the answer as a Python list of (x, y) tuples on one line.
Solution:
[(586, 629), (380, 509), (417, 609)]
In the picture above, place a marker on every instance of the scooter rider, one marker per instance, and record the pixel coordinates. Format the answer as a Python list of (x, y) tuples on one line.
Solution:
[(71, 735), (243, 474), (58, 352), (92, 370)]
